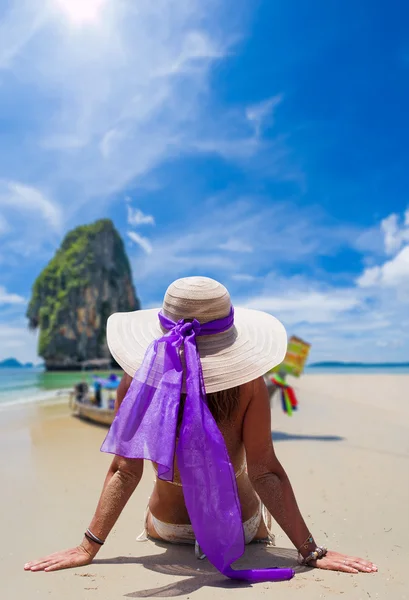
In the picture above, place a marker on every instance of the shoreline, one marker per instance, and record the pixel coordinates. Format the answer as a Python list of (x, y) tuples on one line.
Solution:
[(60, 395), (18, 386)]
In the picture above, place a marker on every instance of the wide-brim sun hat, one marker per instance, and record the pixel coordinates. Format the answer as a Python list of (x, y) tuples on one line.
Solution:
[(255, 344)]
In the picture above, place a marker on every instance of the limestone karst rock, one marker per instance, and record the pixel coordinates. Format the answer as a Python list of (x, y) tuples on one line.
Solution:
[(88, 279)]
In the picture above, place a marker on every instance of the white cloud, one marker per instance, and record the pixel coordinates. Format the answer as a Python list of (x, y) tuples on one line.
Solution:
[(370, 277), (259, 114), (389, 344), (129, 83), (243, 277), (366, 322), (62, 142), (396, 234), (236, 245), (17, 341), (115, 89), (299, 306), (18, 26), (110, 141), (238, 148), (25, 200), (4, 226), (393, 273), (342, 320), (137, 217), (239, 139), (194, 247), (143, 242), (341, 323), (7, 298)]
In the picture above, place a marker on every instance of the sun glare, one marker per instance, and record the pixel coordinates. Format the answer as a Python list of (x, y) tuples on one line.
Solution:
[(81, 11)]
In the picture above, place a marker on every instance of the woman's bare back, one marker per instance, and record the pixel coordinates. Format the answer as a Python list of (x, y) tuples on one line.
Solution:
[(167, 501)]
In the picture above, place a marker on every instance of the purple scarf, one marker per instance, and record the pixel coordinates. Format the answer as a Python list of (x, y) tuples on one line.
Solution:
[(145, 427)]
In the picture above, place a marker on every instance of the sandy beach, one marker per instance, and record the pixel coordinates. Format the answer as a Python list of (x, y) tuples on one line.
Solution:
[(346, 452)]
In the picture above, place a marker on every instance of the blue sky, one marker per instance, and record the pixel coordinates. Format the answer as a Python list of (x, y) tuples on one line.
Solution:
[(260, 143)]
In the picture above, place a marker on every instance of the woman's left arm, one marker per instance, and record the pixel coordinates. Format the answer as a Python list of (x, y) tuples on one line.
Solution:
[(121, 481), (271, 483)]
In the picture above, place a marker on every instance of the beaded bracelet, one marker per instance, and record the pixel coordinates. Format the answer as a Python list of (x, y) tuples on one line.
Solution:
[(93, 538), (318, 553)]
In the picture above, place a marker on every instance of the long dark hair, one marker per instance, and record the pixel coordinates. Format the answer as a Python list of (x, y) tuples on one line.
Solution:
[(222, 404)]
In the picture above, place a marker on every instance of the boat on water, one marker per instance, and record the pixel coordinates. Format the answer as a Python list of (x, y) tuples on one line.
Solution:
[(96, 403)]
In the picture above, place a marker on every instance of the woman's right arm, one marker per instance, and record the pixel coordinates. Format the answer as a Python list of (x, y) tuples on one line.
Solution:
[(271, 483), (121, 481)]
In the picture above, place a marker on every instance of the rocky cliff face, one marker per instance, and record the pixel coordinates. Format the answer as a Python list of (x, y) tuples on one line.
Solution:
[(88, 279)]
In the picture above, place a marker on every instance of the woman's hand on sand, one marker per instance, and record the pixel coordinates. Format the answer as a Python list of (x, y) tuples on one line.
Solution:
[(334, 561), (75, 557)]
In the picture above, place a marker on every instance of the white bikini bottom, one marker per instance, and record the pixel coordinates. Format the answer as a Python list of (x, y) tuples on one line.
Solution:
[(183, 534)]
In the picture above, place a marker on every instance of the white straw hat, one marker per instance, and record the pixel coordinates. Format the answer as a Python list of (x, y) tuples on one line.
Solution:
[(256, 342)]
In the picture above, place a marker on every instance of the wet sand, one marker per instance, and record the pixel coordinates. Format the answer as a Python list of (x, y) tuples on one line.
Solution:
[(346, 452)]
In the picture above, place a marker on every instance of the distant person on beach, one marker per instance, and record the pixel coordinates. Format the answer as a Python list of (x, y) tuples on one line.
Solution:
[(193, 401), (81, 390), (98, 393)]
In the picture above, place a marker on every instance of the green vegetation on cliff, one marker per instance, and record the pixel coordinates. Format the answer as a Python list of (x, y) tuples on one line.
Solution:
[(88, 279)]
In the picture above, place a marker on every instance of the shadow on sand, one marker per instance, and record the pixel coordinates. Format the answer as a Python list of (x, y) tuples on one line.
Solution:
[(180, 561), (282, 436)]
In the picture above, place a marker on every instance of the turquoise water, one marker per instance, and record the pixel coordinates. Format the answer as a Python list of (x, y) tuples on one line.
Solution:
[(367, 370), (18, 386)]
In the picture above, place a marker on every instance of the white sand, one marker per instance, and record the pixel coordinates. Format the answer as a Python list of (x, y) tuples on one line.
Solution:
[(346, 452)]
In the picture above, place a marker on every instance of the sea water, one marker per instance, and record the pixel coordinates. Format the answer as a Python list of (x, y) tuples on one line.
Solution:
[(358, 370), (21, 385)]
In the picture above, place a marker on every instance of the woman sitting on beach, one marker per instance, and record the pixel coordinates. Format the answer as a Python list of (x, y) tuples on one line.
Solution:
[(194, 402)]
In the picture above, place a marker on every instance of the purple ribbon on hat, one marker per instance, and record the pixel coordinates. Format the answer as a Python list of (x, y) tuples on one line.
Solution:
[(145, 427)]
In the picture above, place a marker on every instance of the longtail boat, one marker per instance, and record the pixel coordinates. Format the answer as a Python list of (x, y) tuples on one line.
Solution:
[(95, 404)]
